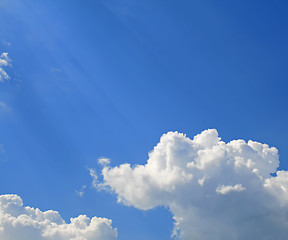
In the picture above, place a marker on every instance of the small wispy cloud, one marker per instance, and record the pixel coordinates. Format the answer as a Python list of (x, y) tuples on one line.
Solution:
[(104, 161), (55, 70), (94, 177), (95, 181), (5, 61), (6, 43), (80, 192), (4, 106)]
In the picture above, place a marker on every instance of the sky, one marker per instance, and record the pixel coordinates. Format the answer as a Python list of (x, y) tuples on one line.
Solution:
[(133, 119)]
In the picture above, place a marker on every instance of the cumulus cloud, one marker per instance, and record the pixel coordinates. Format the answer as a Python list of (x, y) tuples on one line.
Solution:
[(215, 190), (5, 61), (27, 223)]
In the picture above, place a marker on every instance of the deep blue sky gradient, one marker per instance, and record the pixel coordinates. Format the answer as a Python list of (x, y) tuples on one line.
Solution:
[(108, 78)]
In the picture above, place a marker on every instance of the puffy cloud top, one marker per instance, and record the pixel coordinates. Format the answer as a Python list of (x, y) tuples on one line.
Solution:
[(26, 223), (215, 190)]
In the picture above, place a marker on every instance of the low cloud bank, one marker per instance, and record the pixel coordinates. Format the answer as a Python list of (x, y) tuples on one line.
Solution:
[(27, 223), (215, 190)]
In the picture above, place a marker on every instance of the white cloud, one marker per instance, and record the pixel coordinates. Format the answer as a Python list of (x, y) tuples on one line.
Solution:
[(215, 190), (94, 177), (26, 223), (4, 62), (278, 186), (104, 161), (95, 181), (226, 189)]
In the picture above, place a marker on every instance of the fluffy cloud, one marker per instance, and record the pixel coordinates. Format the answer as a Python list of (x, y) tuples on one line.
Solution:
[(4, 62), (215, 190), (26, 223)]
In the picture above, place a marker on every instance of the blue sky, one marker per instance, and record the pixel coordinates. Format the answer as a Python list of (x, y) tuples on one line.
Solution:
[(107, 78)]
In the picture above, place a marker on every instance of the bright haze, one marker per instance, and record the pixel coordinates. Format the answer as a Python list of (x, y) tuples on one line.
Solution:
[(143, 119)]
